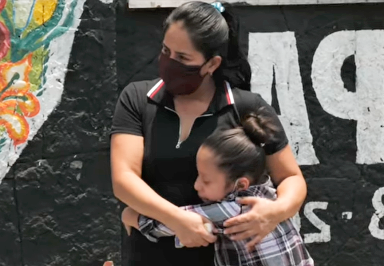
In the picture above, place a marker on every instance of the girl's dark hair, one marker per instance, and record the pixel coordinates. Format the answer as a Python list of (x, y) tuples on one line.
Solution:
[(214, 33), (240, 151)]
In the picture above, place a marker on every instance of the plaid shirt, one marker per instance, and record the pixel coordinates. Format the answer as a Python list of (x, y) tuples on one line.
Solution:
[(282, 247)]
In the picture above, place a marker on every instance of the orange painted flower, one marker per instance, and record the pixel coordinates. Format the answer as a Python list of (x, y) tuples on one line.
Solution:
[(16, 101)]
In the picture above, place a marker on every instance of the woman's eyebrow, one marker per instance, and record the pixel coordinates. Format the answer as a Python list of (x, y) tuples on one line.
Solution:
[(177, 52)]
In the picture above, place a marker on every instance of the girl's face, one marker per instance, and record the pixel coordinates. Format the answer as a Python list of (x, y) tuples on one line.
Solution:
[(211, 183)]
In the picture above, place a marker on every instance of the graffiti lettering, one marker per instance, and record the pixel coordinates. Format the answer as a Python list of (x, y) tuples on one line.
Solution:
[(274, 61), (377, 203), (325, 230), (366, 105)]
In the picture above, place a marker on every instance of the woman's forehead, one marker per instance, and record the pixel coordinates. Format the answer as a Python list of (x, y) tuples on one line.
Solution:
[(177, 39)]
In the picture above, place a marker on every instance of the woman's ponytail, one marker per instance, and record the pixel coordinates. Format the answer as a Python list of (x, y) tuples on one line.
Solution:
[(235, 67)]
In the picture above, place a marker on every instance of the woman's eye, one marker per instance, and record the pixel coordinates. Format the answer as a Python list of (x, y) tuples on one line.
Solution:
[(164, 51), (183, 58)]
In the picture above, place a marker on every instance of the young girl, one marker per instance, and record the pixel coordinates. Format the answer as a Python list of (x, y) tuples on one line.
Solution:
[(232, 164)]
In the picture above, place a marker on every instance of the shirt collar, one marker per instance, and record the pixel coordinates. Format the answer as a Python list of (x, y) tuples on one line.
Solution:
[(222, 98), (252, 190)]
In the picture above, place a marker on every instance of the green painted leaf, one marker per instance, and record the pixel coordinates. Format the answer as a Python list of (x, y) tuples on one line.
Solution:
[(40, 93), (38, 62), (18, 110), (2, 143)]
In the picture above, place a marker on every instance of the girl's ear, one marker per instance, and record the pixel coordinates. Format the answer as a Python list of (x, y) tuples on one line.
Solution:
[(243, 183)]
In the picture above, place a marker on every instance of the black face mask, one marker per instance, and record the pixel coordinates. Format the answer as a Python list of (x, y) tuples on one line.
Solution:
[(179, 79)]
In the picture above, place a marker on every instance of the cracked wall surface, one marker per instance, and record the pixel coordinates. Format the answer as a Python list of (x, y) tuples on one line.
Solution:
[(57, 206), (175, 3)]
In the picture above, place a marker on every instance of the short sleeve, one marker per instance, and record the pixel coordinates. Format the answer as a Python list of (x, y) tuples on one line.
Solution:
[(248, 102), (128, 115)]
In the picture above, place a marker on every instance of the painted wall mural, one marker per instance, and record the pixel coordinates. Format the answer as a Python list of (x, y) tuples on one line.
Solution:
[(175, 3), (274, 61), (35, 42)]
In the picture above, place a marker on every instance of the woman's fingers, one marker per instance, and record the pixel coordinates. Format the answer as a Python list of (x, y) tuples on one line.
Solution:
[(240, 219), (243, 235), (247, 200), (203, 238), (251, 244), (129, 230), (238, 228), (254, 224), (193, 243), (191, 230), (209, 237), (205, 244)]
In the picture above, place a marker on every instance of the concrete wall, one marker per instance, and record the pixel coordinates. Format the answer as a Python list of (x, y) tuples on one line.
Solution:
[(58, 87), (320, 66), (175, 3)]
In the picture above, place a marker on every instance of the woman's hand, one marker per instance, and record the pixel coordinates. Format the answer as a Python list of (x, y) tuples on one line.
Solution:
[(130, 217), (257, 223), (190, 230)]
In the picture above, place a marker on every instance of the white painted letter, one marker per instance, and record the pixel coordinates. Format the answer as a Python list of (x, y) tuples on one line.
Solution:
[(366, 105), (297, 221), (271, 53), (325, 229), (379, 214)]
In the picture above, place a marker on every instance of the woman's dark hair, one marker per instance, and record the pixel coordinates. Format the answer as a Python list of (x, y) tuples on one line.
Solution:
[(214, 33), (240, 151)]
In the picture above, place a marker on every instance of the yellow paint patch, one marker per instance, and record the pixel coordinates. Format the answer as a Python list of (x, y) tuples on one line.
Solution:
[(44, 10)]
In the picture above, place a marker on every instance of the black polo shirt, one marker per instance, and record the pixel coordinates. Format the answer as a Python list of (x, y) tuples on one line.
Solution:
[(169, 167)]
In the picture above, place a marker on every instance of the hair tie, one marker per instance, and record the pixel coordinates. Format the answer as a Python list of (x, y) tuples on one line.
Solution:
[(218, 6)]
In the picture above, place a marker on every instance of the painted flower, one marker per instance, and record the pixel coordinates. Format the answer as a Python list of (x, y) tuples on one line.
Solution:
[(5, 41), (2, 4), (16, 101), (35, 23)]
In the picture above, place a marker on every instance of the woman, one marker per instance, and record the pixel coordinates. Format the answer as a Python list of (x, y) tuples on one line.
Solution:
[(159, 125)]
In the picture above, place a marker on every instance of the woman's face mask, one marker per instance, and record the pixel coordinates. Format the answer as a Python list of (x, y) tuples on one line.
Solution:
[(179, 79)]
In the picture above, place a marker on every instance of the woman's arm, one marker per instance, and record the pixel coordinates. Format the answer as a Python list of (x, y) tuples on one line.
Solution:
[(214, 213), (126, 162), (127, 153), (291, 186), (130, 218)]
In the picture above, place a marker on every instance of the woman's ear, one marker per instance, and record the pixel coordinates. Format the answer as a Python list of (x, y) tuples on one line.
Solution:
[(213, 64), (243, 183)]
